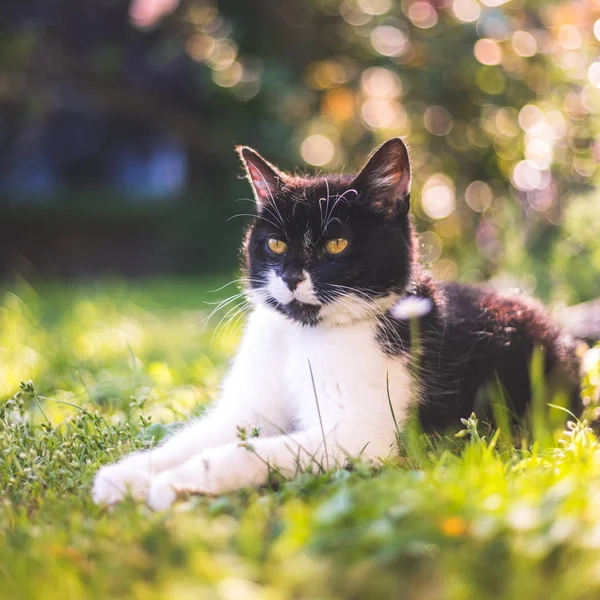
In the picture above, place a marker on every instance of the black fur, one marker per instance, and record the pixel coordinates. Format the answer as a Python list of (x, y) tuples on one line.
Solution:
[(474, 337), (470, 337)]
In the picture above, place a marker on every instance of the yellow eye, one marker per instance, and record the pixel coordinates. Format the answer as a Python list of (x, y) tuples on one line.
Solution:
[(276, 246), (336, 245)]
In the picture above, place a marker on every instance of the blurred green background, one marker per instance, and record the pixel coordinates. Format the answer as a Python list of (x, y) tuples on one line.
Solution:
[(118, 120)]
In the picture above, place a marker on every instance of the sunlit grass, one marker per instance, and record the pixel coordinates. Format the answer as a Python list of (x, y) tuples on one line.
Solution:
[(485, 514)]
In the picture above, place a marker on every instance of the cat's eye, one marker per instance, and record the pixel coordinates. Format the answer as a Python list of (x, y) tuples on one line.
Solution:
[(276, 246), (336, 245)]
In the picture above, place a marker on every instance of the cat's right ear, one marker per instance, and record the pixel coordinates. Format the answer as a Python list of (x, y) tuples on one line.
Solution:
[(265, 178)]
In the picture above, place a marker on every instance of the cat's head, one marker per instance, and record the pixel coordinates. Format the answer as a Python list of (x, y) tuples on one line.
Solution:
[(330, 249)]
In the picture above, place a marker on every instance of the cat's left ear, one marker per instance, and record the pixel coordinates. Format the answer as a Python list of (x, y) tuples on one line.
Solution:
[(384, 181), (265, 178)]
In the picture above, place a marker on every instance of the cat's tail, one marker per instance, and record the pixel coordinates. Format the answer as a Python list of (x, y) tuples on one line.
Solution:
[(582, 321)]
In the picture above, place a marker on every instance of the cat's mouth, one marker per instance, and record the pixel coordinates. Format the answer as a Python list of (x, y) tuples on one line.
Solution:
[(306, 314), (331, 310), (342, 311)]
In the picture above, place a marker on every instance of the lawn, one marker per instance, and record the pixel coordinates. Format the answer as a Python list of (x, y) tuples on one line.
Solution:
[(89, 372)]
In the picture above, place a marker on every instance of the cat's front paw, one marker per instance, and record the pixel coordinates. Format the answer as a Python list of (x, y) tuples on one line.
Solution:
[(129, 477), (196, 476), (216, 471), (163, 491), (178, 483)]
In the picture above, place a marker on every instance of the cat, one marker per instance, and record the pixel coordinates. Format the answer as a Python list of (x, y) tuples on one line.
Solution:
[(325, 367)]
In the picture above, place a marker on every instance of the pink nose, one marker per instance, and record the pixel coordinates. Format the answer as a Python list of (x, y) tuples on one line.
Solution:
[(292, 279)]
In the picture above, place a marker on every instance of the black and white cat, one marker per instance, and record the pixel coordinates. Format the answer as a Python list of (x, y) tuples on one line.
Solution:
[(324, 358)]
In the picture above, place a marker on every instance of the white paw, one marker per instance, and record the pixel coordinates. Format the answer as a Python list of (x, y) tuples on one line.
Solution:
[(130, 477), (163, 492), (197, 476), (211, 473)]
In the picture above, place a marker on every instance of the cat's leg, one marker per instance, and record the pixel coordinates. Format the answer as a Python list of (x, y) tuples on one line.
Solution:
[(252, 397), (344, 405), (134, 473), (234, 466)]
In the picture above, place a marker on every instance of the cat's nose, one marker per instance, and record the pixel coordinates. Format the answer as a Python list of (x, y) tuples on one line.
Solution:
[(292, 278)]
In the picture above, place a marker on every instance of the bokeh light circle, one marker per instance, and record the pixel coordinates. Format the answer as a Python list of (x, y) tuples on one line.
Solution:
[(317, 150)]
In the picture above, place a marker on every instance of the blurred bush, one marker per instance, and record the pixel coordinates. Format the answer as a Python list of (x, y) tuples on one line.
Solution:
[(132, 109)]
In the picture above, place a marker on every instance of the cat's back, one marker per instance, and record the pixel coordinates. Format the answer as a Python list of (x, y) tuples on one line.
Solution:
[(505, 320), (477, 335)]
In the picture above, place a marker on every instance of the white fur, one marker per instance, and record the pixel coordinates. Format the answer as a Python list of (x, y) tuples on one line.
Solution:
[(278, 289), (270, 387), (304, 291), (352, 307)]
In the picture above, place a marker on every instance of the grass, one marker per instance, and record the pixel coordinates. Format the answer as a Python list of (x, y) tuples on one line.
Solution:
[(106, 369)]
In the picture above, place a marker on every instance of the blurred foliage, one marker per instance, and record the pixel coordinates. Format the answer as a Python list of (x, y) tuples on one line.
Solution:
[(112, 366), (110, 342), (498, 101)]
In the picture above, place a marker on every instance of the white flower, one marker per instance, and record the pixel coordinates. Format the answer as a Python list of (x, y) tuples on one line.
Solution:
[(591, 358), (411, 307)]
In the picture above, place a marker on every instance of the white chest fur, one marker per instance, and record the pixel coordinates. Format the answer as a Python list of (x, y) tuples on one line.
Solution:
[(351, 376)]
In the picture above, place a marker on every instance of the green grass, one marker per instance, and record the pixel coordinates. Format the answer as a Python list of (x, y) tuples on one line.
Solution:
[(480, 515)]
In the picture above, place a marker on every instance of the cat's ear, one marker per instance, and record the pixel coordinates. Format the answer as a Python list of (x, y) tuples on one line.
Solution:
[(265, 178), (384, 181)]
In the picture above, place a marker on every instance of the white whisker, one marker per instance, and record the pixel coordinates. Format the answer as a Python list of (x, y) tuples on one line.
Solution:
[(255, 217)]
